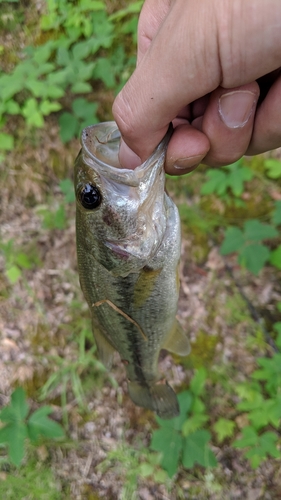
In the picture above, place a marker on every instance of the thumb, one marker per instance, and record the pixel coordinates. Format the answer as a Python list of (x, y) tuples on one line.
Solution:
[(199, 46)]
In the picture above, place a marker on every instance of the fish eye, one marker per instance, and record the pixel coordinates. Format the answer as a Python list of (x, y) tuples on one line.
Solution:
[(90, 196)]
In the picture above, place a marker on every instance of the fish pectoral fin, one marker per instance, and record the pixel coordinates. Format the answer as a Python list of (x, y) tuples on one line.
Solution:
[(158, 397), (105, 349), (177, 342)]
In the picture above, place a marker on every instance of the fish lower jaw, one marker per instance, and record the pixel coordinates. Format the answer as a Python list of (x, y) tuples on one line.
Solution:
[(127, 252)]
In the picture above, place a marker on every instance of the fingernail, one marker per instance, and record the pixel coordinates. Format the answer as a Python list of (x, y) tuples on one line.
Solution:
[(188, 164), (235, 108), (127, 158)]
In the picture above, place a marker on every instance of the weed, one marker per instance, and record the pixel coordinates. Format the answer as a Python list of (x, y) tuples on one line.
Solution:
[(182, 439), (18, 426)]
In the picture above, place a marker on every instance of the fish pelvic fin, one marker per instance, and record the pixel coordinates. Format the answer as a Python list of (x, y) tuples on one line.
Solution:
[(105, 349), (177, 342), (158, 397)]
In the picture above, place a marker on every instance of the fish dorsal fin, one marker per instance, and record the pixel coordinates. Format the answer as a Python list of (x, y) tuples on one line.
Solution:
[(177, 342), (105, 349)]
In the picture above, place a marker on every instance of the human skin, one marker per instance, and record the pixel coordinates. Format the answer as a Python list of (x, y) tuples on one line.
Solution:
[(213, 68)]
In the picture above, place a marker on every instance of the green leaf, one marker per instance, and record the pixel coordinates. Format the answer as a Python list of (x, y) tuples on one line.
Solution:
[(47, 107), (193, 423), (250, 438), (275, 257), (6, 141), (69, 126), (217, 183), (19, 404), (257, 231), (273, 167), (104, 71), (233, 241), (23, 260), (14, 435), (196, 450), (253, 257), (40, 425), (276, 215), (198, 381), (224, 428), (13, 274), (81, 88), (32, 114), (169, 443), (67, 188)]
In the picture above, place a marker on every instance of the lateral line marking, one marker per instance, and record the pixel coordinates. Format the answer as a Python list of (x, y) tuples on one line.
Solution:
[(107, 301)]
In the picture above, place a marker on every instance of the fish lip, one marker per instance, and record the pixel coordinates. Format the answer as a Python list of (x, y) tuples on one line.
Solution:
[(119, 250)]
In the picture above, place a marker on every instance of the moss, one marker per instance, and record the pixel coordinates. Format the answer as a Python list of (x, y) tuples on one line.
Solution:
[(203, 351)]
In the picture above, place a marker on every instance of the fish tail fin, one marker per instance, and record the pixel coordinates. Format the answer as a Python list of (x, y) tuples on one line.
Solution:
[(158, 397)]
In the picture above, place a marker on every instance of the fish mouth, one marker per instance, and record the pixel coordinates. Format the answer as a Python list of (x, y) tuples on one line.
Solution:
[(127, 250), (118, 249)]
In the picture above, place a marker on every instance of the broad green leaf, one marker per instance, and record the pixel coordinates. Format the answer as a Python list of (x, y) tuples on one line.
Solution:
[(233, 241), (13, 274), (23, 260), (69, 126), (217, 182), (105, 72), (47, 107), (12, 107), (256, 231), (32, 114), (193, 423), (40, 425), (19, 404), (276, 215), (196, 450), (250, 438), (237, 178), (273, 166), (198, 381), (275, 257), (6, 141), (14, 435), (224, 428), (253, 257), (81, 107), (81, 88), (169, 443)]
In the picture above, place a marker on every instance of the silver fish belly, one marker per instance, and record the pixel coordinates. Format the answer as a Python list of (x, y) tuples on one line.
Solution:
[(128, 249)]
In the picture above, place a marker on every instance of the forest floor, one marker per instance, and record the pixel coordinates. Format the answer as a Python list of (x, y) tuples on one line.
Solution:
[(46, 343)]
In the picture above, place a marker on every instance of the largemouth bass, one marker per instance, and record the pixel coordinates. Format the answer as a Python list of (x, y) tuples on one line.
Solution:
[(128, 249)]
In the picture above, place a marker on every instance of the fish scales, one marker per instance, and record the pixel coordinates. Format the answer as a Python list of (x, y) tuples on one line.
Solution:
[(128, 249)]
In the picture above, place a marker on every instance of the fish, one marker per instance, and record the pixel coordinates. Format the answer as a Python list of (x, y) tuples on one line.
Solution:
[(128, 249)]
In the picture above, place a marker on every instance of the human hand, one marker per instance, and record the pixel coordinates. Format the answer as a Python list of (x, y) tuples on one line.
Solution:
[(212, 67)]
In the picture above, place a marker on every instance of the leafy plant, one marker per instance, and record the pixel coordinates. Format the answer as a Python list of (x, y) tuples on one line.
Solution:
[(252, 253), (68, 374), (17, 260), (181, 439), (71, 60), (261, 400), (83, 114), (229, 179), (57, 218), (137, 463), (273, 166), (18, 426)]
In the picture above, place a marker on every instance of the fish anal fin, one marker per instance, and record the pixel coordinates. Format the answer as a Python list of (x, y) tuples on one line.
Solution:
[(158, 397), (177, 342), (105, 349)]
